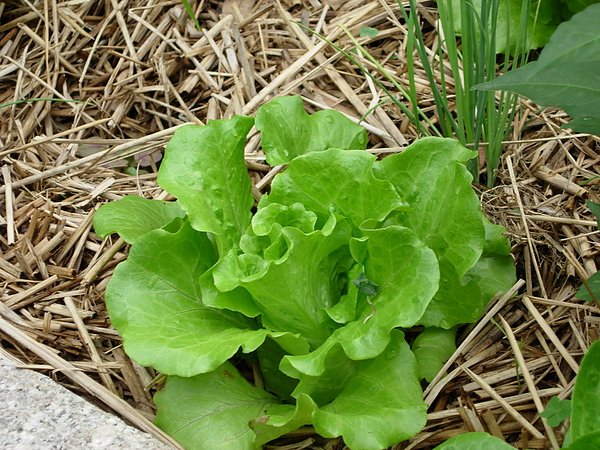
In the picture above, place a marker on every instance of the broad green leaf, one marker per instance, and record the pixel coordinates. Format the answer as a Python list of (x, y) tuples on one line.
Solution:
[(237, 299), (287, 131), (380, 404), (586, 442), (326, 384), (474, 441), (204, 168), (278, 420), (432, 348), (493, 273), (576, 6), (490, 276), (335, 181), (595, 209), (154, 302), (133, 216), (344, 310), (445, 311), (496, 242), (590, 290), (567, 441), (566, 73), (543, 17), (294, 291), (407, 274), (270, 219), (212, 410), (444, 210), (585, 416), (269, 356), (556, 411)]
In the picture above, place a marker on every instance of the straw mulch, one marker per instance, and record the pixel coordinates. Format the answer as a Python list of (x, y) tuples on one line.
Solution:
[(123, 75)]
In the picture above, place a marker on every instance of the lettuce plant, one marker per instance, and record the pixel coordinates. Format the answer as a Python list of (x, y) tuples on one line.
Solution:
[(318, 287)]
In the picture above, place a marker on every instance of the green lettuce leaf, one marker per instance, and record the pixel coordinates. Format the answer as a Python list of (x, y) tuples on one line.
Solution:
[(449, 221), (269, 356), (154, 302), (566, 73), (238, 299), (493, 273), (444, 311), (444, 209), (278, 420), (133, 216), (204, 168), (406, 273), (474, 441), (344, 310), (432, 348), (294, 291), (585, 404), (211, 410), (287, 131), (379, 404), (335, 181)]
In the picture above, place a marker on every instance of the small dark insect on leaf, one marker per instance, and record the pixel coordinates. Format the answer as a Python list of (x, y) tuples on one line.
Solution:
[(366, 286)]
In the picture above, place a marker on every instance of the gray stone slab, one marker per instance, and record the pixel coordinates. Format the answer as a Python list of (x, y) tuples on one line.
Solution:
[(37, 413)]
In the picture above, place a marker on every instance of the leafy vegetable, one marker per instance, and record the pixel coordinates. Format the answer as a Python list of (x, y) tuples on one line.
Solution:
[(221, 400), (288, 131), (315, 287), (585, 416), (388, 388), (543, 16), (122, 216), (566, 73), (212, 186), (474, 441), (154, 301), (432, 349)]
